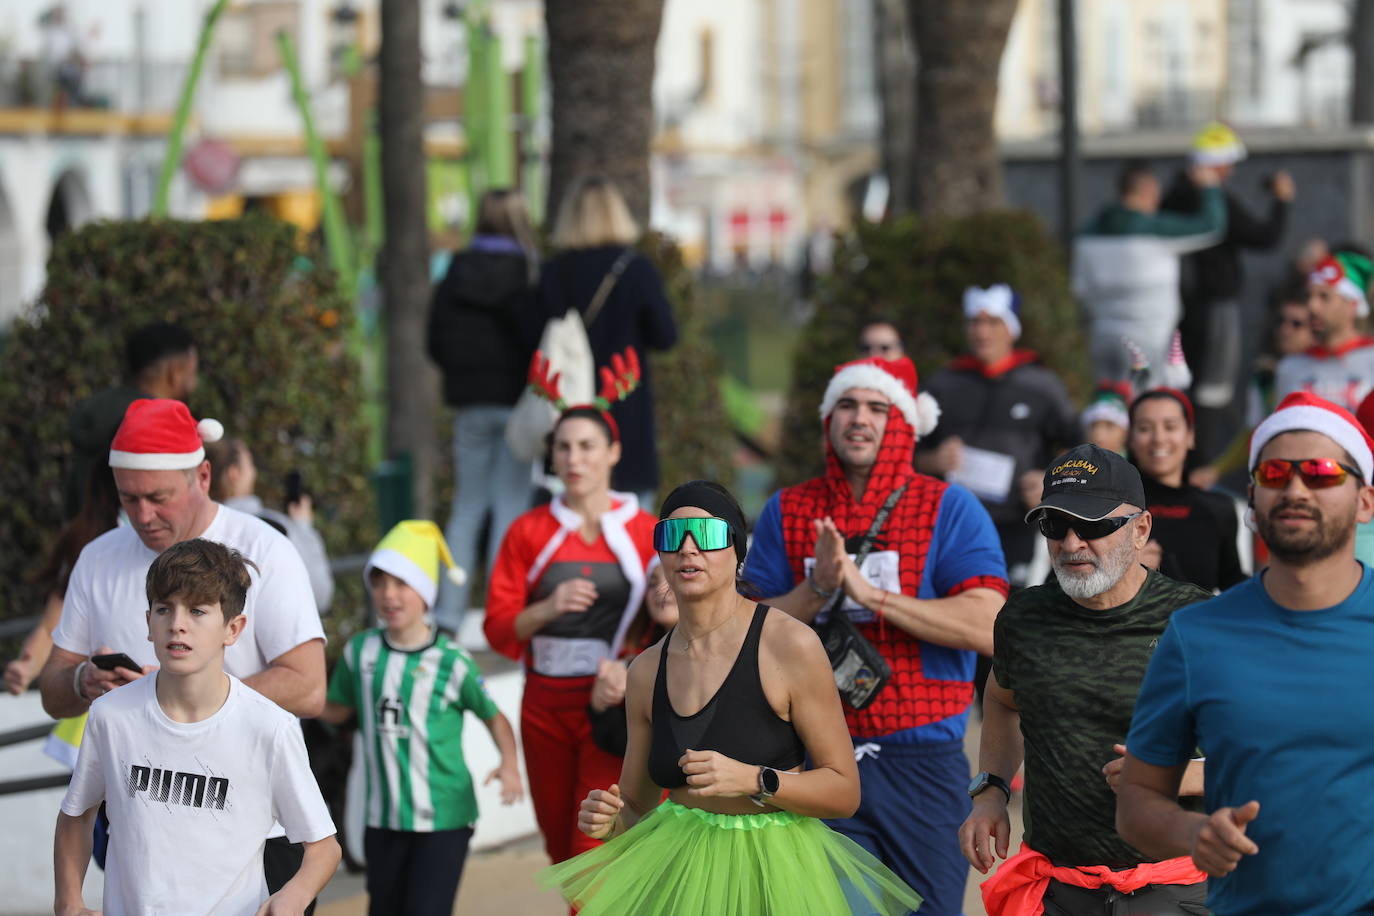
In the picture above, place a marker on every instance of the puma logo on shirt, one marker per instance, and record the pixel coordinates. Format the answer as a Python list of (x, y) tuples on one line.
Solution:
[(193, 790)]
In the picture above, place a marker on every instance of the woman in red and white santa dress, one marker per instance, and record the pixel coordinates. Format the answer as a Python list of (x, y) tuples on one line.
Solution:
[(568, 581)]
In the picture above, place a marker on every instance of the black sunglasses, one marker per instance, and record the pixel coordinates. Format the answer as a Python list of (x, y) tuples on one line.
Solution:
[(1056, 525)]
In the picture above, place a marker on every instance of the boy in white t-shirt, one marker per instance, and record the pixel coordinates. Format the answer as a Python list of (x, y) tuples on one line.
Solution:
[(193, 765)]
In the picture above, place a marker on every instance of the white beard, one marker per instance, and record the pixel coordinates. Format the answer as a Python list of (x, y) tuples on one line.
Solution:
[(1109, 571)]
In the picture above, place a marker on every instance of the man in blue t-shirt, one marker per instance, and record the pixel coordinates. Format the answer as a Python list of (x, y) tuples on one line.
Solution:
[(1253, 677)]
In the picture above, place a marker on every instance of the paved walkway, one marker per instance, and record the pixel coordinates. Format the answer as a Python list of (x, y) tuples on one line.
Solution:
[(498, 882)]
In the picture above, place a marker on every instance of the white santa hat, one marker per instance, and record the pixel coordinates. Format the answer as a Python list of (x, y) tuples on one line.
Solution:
[(1305, 412), (895, 378), (158, 434)]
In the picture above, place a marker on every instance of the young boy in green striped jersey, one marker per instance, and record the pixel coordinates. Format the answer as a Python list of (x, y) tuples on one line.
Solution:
[(410, 687)]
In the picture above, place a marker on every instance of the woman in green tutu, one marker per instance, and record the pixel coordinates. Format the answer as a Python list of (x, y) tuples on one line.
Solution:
[(735, 713)]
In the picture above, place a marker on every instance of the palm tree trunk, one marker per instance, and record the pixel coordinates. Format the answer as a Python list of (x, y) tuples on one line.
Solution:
[(601, 74), (958, 49), (895, 64), (411, 383)]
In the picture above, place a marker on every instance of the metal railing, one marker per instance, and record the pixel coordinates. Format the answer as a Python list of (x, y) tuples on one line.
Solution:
[(113, 84)]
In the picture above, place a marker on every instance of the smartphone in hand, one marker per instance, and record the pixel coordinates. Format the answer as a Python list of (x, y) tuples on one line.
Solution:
[(114, 660)]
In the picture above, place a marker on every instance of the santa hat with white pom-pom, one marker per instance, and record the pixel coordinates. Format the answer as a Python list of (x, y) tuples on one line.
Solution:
[(158, 434), (895, 378), (412, 552)]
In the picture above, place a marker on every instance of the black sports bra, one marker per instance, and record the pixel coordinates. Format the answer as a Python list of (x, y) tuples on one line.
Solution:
[(737, 722)]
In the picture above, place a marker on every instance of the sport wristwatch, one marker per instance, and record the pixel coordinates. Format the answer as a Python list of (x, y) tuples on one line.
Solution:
[(983, 780), (769, 781)]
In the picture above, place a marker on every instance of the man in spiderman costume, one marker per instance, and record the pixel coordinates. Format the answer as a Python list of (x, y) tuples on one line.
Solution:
[(925, 597)]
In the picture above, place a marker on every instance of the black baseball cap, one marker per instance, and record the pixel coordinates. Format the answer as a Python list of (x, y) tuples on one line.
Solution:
[(1089, 482)]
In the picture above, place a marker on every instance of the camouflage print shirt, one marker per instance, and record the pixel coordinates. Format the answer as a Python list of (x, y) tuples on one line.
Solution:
[(1075, 673)]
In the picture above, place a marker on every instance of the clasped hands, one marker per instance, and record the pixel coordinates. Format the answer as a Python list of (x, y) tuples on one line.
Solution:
[(835, 568)]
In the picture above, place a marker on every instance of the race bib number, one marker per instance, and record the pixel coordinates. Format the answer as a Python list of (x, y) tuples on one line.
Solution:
[(555, 656), (882, 569)]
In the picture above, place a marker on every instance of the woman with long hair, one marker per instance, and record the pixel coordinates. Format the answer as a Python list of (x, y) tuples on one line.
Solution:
[(1193, 538), (569, 579), (736, 714), (597, 267), (481, 322)]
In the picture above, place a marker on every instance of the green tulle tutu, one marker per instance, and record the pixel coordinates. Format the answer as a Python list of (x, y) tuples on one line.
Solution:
[(681, 861)]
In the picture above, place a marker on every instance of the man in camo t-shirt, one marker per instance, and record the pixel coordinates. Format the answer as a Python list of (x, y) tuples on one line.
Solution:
[(1068, 660)]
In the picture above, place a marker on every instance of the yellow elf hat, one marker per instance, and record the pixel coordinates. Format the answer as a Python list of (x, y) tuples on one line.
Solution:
[(1217, 144), (412, 552)]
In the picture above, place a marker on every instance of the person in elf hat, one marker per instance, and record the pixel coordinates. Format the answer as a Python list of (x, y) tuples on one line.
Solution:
[(569, 580), (1340, 368), (1249, 676), (1213, 277), (1126, 266), (163, 482), (930, 584), (410, 686), (1003, 414), (1106, 419)]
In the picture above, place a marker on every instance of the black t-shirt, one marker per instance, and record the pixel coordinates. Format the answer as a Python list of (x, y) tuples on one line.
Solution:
[(1197, 531), (1076, 673)]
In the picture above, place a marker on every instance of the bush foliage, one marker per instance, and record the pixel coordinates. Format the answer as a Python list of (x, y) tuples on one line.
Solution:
[(914, 271), (695, 439), (271, 331)]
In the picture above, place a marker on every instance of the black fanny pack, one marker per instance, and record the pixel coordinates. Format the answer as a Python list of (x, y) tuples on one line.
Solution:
[(860, 670)]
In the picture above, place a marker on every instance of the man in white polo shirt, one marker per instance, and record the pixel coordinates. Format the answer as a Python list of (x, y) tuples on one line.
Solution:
[(163, 479)]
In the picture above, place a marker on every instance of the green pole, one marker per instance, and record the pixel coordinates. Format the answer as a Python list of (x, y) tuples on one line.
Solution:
[(172, 160), (337, 238), (499, 148), (475, 114), (374, 224), (532, 93)]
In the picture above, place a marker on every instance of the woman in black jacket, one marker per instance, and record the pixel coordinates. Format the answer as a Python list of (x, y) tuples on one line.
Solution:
[(480, 324), (1193, 537), (593, 234)]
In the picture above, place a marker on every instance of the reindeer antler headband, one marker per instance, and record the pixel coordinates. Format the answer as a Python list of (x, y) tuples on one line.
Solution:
[(618, 380)]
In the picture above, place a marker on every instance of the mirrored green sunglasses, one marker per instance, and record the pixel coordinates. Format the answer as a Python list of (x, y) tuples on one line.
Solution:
[(708, 533)]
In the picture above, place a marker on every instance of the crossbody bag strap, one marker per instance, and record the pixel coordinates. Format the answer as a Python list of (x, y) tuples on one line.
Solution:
[(869, 539), (608, 282)]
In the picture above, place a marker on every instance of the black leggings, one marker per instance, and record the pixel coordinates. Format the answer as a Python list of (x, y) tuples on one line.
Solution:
[(415, 874), (1150, 900)]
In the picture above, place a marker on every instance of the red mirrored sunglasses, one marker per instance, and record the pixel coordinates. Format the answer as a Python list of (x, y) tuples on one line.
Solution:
[(1316, 473)]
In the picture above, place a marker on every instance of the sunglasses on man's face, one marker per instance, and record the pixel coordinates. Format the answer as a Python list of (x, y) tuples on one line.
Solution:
[(1316, 473), (708, 533), (1056, 525)]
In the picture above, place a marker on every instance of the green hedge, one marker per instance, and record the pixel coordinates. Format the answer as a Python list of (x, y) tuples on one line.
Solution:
[(915, 271), (695, 439), (272, 333)]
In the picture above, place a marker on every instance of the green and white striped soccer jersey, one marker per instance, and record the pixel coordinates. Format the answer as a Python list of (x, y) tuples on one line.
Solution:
[(410, 707)]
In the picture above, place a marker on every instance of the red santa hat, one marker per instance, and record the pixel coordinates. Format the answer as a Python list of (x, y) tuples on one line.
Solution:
[(1305, 412), (158, 434), (894, 378)]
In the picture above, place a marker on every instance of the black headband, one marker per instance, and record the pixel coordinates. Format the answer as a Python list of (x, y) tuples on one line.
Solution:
[(713, 498)]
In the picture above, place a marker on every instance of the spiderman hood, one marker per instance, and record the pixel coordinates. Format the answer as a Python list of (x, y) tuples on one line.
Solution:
[(912, 415)]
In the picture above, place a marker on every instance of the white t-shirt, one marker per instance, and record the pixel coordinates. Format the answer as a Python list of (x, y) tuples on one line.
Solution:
[(107, 597), (191, 804)]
